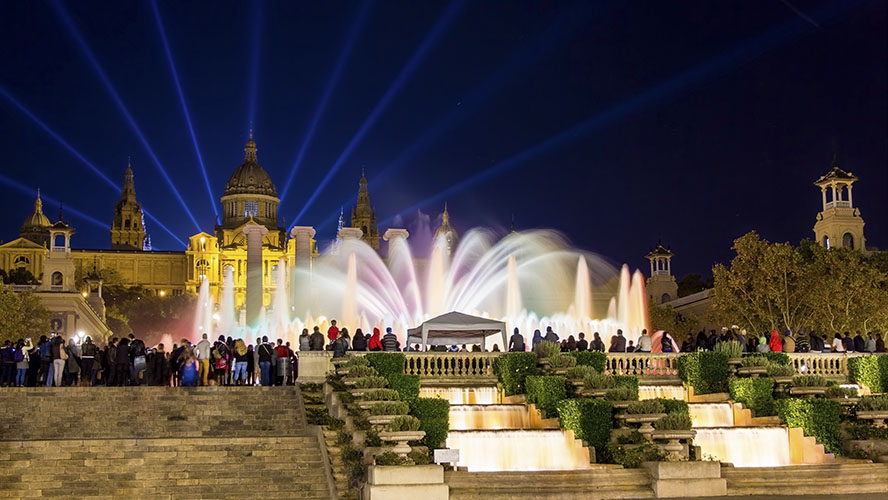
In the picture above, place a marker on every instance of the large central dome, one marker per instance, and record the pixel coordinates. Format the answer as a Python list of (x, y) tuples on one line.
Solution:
[(250, 177)]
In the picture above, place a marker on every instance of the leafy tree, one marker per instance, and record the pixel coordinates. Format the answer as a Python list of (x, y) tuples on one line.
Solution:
[(767, 287), (693, 283), (20, 276), (22, 315), (680, 325)]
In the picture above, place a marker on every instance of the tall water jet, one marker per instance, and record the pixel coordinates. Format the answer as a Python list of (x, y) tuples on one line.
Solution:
[(513, 290), (203, 319), (636, 313), (401, 266), (623, 295), (227, 320), (349, 302), (582, 291), (435, 284)]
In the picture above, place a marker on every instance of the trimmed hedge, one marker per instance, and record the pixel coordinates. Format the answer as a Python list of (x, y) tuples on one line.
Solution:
[(674, 405), (512, 369), (757, 393), (629, 381), (871, 371), (595, 359), (707, 372), (780, 358), (546, 391), (387, 363), (406, 385), (590, 419), (434, 414), (818, 417)]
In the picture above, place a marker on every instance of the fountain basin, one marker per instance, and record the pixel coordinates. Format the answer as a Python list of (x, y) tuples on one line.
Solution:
[(524, 450)]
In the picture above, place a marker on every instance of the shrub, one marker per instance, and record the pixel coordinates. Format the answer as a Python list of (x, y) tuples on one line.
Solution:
[(731, 349), (407, 386), (645, 407), (345, 398), (390, 408), (621, 393), (419, 458), (579, 372), (546, 349), (403, 423), (757, 393), (590, 419), (371, 438), (633, 437), (361, 422), (387, 363), (780, 358), (674, 406), (434, 415), (561, 361), (595, 359), (818, 417), (626, 381), (356, 361), (706, 372), (374, 382), (392, 458), (512, 370), (863, 431), (776, 370), (754, 361), (381, 395), (631, 456), (675, 421), (840, 392), (871, 371), (595, 381), (546, 391), (361, 371), (873, 403), (808, 381)]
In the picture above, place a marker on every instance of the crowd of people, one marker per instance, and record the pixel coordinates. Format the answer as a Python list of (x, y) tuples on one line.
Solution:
[(53, 361)]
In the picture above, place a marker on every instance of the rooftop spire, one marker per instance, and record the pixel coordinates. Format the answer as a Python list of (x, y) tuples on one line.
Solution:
[(250, 150), (38, 203)]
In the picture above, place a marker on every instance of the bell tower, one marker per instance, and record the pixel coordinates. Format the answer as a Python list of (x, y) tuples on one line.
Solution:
[(364, 217), (839, 224), (661, 285), (127, 231)]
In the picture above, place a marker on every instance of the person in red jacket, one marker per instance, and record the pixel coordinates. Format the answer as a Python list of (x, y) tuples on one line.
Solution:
[(333, 331), (375, 343), (776, 344)]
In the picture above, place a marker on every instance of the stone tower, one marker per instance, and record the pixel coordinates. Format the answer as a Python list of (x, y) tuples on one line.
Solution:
[(364, 217), (127, 231), (58, 267), (661, 286), (36, 226), (839, 224)]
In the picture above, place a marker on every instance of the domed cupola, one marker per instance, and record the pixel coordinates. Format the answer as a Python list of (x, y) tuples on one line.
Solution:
[(250, 177), (36, 226), (249, 193)]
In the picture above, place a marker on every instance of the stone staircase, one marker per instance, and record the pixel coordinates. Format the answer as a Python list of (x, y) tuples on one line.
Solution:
[(604, 481), (158, 442), (827, 479)]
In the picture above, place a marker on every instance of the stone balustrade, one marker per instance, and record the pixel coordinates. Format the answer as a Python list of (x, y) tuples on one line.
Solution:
[(454, 366)]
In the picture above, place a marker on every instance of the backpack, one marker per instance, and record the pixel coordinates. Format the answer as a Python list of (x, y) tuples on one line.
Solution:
[(18, 355)]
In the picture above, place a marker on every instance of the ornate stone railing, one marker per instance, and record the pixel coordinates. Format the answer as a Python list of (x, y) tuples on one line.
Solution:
[(451, 365), (643, 365), (831, 365)]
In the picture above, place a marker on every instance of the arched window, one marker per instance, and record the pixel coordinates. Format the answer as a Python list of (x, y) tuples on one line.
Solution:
[(57, 279), (848, 240), (202, 268), (21, 261), (126, 224), (665, 298), (826, 241)]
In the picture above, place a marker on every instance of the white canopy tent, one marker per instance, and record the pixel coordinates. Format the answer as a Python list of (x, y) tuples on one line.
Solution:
[(456, 328)]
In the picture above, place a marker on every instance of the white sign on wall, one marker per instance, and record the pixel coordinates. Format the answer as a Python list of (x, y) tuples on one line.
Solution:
[(446, 456)]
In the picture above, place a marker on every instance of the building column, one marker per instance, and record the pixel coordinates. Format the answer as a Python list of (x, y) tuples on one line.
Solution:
[(300, 281), (850, 204), (254, 233), (350, 233), (823, 192)]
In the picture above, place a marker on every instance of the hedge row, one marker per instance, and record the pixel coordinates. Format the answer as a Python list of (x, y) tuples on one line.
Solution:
[(707, 372), (871, 371), (818, 417), (590, 420), (512, 369), (757, 393), (434, 414), (545, 391), (595, 359)]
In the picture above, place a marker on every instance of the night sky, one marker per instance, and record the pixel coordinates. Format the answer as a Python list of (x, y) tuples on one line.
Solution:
[(617, 123)]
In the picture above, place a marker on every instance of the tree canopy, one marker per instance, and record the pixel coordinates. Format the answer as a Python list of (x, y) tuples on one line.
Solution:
[(22, 315)]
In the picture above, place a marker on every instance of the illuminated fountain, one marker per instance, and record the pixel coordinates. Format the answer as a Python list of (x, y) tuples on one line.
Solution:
[(530, 280)]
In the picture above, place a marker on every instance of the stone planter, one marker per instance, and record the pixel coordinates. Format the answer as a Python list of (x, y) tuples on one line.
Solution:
[(366, 405), (360, 392), (560, 371), (395, 482), (735, 362), (807, 392), (686, 479), (401, 438), (645, 419), (752, 371), (593, 393), (780, 383), (673, 439), (381, 420), (878, 417)]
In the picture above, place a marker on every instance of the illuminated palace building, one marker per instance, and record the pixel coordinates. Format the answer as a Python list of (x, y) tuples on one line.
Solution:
[(250, 198)]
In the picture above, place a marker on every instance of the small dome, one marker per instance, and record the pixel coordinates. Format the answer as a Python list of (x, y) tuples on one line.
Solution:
[(250, 177), (37, 219)]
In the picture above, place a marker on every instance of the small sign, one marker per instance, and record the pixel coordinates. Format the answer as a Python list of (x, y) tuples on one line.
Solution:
[(446, 456)]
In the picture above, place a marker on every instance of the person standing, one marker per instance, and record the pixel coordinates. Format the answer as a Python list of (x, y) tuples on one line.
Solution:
[(240, 362), (251, 365), (88, 353), (551, 336), (59, 356), (122, 362), (618, 342), (305, 340), (137, 355), (360, 342), (536, 339), (282, 363), (203, 351), (22, 358), (265, 359), (340, 345), (72, 364), (316, 341)]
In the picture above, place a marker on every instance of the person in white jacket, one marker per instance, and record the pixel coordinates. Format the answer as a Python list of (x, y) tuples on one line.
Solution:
[(645, 344)]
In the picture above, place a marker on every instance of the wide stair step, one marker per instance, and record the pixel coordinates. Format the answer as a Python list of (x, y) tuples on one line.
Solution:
[(838, 479), (599, 483)]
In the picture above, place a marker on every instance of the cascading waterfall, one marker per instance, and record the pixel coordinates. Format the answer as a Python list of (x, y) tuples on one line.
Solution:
[(518, 450), (494, 417), (712, 415), (662, 391), (481, 395), (745, 446)]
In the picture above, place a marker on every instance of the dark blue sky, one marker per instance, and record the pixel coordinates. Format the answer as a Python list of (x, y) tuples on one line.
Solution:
[(618, 123)]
